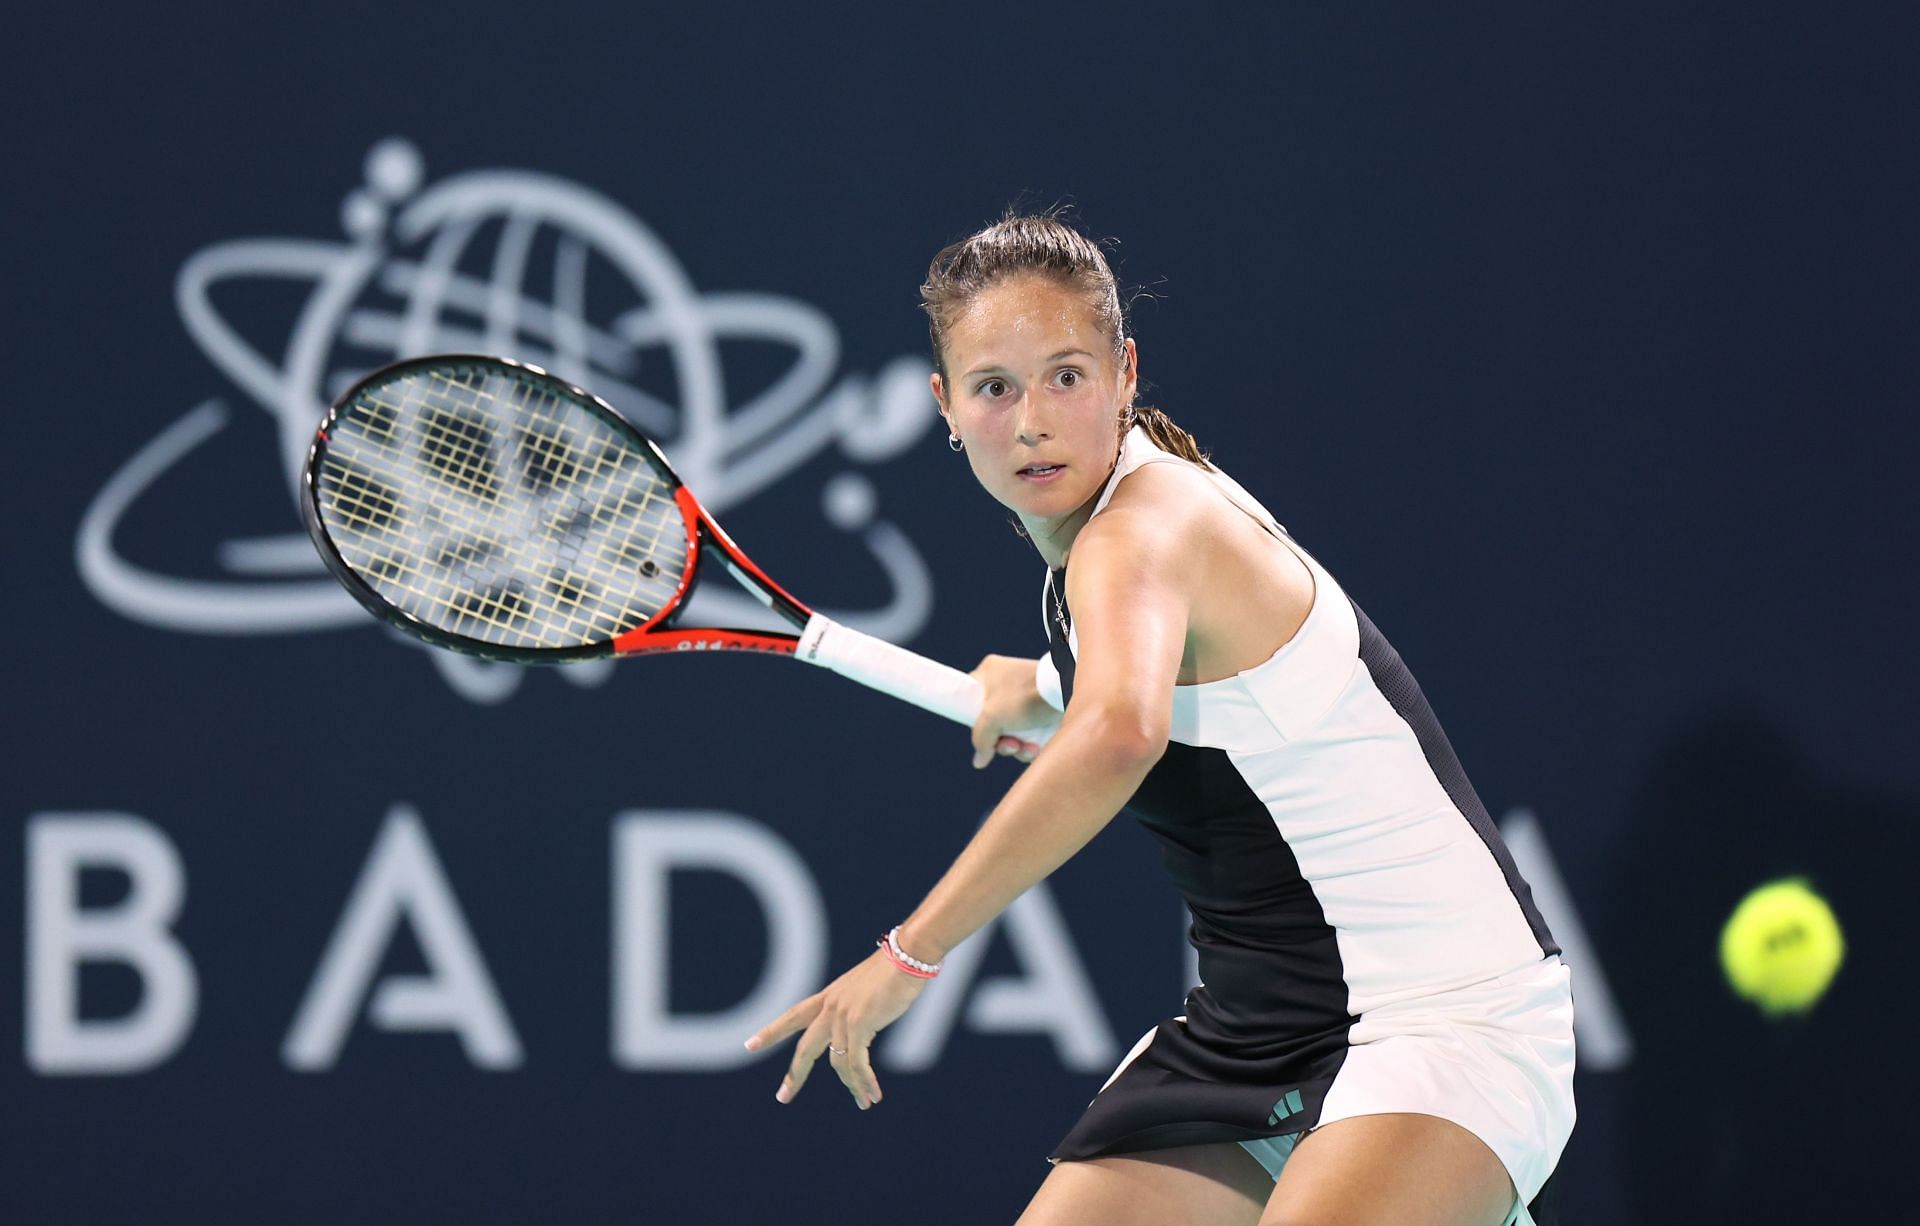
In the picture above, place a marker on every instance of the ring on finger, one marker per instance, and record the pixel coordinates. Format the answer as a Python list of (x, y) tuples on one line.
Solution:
[(838, 1051)]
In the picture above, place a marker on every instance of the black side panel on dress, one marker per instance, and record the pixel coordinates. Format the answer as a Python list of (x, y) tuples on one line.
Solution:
[(1267, 1031), (1057, 626), (1391, 676)]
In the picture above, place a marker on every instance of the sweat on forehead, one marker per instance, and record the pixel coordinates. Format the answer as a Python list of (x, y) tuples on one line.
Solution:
[(1042, 248), (1026, 306)]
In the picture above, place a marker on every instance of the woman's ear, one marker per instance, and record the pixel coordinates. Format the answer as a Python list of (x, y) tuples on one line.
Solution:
[(940, 397)]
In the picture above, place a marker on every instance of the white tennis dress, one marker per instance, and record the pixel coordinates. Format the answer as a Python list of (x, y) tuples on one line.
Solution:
[(1366, 944)]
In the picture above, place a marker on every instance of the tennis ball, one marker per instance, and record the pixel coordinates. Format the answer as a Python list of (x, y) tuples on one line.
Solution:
[(1781, 947)]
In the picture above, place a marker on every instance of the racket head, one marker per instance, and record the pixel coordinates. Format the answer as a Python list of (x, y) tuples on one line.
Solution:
[(488, 506)]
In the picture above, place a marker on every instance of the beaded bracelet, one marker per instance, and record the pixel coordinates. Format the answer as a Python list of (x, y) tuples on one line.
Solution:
[(902, 960)]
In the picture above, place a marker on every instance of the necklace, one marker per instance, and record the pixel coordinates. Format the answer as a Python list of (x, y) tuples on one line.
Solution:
[(1059, 607)]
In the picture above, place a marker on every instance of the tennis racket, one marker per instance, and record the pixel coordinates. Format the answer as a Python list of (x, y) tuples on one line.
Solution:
[(486, 506)]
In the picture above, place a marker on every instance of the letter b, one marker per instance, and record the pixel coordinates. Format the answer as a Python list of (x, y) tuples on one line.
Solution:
[(61, 936)]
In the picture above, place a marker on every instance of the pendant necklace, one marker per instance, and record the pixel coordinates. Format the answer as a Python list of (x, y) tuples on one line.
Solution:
[(1059, 609)]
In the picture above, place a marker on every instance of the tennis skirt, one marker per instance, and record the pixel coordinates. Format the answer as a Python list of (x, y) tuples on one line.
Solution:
[(1494, 1057)]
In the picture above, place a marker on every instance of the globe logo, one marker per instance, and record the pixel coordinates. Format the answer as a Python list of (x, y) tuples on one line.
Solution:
[(547, 271)]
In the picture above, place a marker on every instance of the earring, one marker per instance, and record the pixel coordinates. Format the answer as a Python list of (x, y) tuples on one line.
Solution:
[(954, 443)]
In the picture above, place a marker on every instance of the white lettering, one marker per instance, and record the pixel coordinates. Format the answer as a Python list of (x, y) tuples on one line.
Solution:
[(402, 880), (1055, 998), (61, 936), (1598, 1025), (647, 848)]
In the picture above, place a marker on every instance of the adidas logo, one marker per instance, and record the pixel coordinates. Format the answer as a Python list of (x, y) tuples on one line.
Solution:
[(1285, 1107)]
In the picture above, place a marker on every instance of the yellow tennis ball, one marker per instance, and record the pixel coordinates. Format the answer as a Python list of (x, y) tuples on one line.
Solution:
[(1781, 947)]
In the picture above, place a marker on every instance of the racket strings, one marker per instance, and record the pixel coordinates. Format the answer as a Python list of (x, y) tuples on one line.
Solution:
[(488, 504)]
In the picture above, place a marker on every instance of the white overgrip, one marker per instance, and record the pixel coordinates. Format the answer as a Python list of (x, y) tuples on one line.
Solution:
[(906, 675)]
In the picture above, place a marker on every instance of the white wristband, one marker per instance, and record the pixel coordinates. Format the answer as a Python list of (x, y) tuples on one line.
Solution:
[(925, 970)]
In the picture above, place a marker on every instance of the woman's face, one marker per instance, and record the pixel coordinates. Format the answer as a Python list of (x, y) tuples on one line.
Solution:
[(1036, 394)]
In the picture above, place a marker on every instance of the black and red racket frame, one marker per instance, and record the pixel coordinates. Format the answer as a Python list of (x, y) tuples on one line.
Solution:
[(656, 636)]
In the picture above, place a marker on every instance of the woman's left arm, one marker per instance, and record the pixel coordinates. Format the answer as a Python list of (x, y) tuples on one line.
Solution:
[(1131, 581)]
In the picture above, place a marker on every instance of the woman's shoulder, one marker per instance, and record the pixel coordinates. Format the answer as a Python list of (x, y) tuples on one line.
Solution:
[(1163, 480), (1153, 509), (1163, 494)]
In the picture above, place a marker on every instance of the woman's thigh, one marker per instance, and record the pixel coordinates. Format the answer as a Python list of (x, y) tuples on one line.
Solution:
[(1205, 1185), (1394, 1170)]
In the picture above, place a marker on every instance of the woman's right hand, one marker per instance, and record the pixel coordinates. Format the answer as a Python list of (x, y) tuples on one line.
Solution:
[(1011, 703)]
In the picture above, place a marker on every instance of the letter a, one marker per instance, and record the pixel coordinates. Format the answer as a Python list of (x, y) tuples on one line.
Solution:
[(1055, 997), (1599, 1027), (402, 880)]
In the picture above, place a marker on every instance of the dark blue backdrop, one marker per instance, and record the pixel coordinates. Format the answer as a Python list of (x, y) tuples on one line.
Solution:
[(1574, 342)]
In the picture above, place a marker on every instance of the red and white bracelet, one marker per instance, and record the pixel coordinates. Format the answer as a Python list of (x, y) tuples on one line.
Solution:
[(902, 960)]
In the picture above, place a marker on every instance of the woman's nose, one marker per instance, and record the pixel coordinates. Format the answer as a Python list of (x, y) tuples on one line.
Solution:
[(1027, 424)]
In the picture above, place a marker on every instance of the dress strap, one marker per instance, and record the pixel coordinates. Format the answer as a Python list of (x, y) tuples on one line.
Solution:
[(1138, 449)]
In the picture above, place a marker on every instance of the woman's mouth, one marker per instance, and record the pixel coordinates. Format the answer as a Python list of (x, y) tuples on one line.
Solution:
[(1041, 472)]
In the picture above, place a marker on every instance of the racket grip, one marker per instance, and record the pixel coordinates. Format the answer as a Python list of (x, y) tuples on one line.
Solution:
[(906, 675)]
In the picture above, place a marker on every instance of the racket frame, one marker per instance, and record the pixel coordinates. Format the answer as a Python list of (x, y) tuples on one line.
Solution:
[(656, 636)]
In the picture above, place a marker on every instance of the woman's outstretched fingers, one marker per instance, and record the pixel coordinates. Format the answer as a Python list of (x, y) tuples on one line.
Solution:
[(840, 1023), (813, 1044), (852, 1059), (865, 1086), (796, 1018), (849, 1059)]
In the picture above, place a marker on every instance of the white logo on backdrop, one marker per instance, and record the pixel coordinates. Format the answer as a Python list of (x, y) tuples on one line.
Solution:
[(449, 268)]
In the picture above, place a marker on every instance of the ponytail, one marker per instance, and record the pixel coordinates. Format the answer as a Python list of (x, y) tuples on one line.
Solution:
[(1169, 437)]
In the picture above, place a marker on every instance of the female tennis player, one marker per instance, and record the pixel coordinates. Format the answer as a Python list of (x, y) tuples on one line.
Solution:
[(1385, 1033)]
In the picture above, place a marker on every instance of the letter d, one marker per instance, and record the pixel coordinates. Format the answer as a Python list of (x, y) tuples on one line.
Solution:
[(648, 847), (61, 936)]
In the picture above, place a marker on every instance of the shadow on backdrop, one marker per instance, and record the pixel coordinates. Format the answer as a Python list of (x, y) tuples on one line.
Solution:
[(1733, 1117)]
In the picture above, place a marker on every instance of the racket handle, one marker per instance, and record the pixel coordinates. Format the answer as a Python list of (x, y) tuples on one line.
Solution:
[(906, 675)]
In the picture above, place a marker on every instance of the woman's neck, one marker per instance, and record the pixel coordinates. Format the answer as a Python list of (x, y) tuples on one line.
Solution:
[(1054, 537)]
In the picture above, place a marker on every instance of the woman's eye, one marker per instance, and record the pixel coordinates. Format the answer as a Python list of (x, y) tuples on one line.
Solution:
[(1068, 378)]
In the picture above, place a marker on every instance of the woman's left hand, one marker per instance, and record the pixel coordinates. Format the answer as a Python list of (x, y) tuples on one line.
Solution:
[(841, 1020)]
